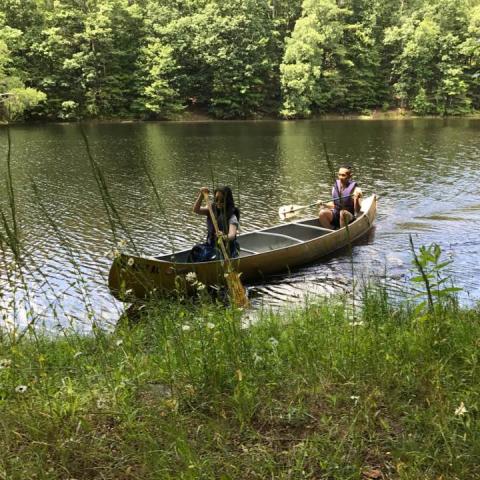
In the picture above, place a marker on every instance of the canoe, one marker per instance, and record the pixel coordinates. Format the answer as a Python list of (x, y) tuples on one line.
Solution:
[(262, 253)]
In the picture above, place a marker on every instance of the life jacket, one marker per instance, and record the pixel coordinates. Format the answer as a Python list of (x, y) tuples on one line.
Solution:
[(344, 201)]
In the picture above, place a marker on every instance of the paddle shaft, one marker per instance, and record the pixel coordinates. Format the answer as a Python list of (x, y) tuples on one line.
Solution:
[(284, 210), (217, 230)]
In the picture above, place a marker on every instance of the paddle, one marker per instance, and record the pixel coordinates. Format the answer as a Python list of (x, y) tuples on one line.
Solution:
[(287, 211), (235, 287)]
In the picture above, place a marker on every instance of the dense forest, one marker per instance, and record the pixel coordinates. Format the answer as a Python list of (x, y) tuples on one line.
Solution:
[(73, 59)]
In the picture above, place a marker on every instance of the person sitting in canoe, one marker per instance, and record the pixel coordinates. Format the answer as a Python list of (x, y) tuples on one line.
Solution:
[(227, 216), (346, 201)]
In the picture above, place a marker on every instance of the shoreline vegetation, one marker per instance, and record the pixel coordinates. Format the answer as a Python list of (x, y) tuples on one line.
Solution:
[(204, 117), (152, 59), (320, 391)]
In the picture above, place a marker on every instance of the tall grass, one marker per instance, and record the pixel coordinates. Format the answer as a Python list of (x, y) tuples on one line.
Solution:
[(190, 393)]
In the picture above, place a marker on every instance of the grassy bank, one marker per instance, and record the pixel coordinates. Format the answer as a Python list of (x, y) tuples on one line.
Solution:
[(189, 393)]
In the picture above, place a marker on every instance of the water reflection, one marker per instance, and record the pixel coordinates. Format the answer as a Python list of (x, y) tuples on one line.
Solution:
[(425, 172)]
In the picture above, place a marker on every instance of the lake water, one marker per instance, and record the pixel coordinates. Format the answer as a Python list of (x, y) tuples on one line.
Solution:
[(425, 173)]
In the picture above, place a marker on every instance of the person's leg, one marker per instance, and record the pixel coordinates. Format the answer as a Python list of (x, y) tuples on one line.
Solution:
[(345, 218), (325, 217)]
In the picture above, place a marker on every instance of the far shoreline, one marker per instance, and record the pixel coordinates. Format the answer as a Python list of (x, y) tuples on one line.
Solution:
[(190, 117)]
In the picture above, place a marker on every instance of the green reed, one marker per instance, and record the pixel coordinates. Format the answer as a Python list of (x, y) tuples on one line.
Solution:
[(113, 215), (332, 171), (10, 235)]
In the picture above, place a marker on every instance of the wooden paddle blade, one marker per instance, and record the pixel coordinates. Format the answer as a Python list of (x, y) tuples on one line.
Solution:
[(236, 290), (286, 209), (288, 215)]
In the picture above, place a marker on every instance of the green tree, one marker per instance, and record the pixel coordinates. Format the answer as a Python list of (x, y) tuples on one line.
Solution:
[(239, 56), (310, 73), (361, 71), (15, 97), (214, 55), (159, 96), (428, 71), (88, 52), (238, 59), (470, 50), (169, 69)]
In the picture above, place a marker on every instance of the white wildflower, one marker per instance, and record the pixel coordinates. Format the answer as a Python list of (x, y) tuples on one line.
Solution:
[(102, 403), (21, 389), (210, 325), (273, 342), (461, 410), (355, 398), (5, 363), (186, 328), (119, 342), (191, 277), (200, 286), (130, 261)]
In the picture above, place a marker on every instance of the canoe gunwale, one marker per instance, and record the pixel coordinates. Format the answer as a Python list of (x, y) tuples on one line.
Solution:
[(264, 230)]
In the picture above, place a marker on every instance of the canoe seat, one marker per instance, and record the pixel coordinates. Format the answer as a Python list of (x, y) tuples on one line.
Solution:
[(300, 231), (246, 252), (259, 242)]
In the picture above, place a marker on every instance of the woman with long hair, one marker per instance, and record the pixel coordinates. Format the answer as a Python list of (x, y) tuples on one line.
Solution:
[(227, 216)]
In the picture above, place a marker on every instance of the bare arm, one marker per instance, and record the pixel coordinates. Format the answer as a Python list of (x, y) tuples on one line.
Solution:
[(357, 199), (197, 206), (232, 231)]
